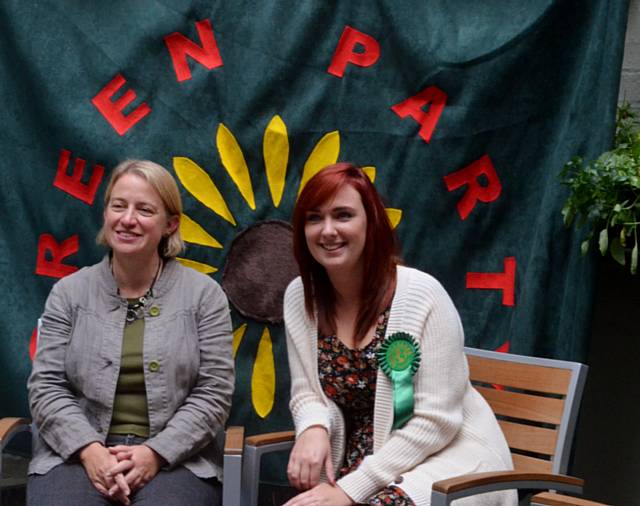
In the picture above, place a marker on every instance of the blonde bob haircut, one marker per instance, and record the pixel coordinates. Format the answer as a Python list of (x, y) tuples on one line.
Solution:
[(165, 185)]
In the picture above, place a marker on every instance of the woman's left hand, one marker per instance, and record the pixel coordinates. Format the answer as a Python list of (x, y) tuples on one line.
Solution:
[(322, 495), (138, 463)]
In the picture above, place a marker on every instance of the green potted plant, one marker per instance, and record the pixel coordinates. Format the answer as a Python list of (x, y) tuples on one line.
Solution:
[(605, 193)]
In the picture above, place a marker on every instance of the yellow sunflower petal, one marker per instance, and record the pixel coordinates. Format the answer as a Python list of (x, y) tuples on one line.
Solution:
[(192, 232), (370, 171), (200, 267), (238, 334), (395, 215), (199, 184), (324, 153), (263, 378), (235, 164), (275, 148)]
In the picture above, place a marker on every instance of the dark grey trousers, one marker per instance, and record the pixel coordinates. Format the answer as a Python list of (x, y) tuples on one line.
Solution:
[(69, 485)]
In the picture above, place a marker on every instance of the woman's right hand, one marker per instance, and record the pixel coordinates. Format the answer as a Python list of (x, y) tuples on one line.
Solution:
[(97, 461), (311, 452)]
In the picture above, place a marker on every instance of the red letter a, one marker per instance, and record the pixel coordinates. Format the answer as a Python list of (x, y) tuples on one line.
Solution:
[(427, 119), (469, 176), (345, 52), (179, 47)]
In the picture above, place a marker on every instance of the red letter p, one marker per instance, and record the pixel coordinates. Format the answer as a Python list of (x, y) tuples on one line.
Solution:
[(345, 52)]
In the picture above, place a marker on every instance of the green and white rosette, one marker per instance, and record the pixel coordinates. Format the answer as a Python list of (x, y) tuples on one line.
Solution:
[(399, 358)]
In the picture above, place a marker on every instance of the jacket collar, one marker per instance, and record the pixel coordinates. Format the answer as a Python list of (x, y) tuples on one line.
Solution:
[(163, 284)]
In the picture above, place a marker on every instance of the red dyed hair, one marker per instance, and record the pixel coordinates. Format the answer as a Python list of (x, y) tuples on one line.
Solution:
[(379, 254)]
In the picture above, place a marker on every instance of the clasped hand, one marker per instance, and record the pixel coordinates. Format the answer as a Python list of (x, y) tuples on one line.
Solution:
[(119, 470)]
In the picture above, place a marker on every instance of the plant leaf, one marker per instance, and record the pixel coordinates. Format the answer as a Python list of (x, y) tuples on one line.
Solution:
[(617, 251), (584, 247), (568, 215), (603, 241), (634, 259)]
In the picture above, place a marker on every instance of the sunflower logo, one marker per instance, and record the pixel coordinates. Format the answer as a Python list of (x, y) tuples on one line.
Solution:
[(259, 260)]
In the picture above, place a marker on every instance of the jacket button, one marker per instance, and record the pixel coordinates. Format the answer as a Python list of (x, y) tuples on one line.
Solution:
[(154, 366), (398, 480), (154, 311)]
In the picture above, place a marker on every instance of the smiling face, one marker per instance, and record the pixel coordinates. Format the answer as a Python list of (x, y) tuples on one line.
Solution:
[(135, 219), (336, 232)]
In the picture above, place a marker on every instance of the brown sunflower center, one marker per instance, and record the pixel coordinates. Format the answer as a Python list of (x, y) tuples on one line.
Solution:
[(259, 266)]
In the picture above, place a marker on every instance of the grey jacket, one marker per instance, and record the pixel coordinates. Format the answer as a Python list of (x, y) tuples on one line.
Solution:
[(187, 360)]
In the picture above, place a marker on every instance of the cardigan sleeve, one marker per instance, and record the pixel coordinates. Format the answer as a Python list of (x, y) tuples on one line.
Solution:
[(439, 387), (307, 402)]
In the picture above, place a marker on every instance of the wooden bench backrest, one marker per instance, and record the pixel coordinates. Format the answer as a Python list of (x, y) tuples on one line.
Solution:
[(536, 403)]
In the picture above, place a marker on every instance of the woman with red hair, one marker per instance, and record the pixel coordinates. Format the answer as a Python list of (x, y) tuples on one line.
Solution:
[(380, 391)]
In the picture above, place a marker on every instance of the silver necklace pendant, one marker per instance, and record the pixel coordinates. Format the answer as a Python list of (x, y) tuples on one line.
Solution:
[(135, 311), (131, 315)]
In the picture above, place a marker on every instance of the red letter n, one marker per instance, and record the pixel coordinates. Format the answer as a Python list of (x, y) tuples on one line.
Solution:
[(72, 184), (179, 47), (345, 52), (470, 176), (112, 111), (427, 119), (51, 254), (504, 281)]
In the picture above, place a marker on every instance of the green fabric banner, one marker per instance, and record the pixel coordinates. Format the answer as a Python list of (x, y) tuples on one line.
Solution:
[(463, 113)]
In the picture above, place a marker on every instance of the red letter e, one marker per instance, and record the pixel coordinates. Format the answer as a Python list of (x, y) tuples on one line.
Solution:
[(112, 110)]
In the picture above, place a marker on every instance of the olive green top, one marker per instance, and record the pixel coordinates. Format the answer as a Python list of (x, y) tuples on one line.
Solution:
[(130, 414)]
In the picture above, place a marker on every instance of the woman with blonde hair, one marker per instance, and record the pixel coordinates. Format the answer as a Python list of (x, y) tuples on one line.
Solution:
[(133, 376)]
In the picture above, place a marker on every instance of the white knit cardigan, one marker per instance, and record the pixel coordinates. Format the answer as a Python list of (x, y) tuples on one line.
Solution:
[(453, 431)]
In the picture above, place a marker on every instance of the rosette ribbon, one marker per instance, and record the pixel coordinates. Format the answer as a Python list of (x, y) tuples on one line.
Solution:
[(399, 359)]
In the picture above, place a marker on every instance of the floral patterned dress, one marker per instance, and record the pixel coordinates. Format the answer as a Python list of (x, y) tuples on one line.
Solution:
[(348, 377)]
